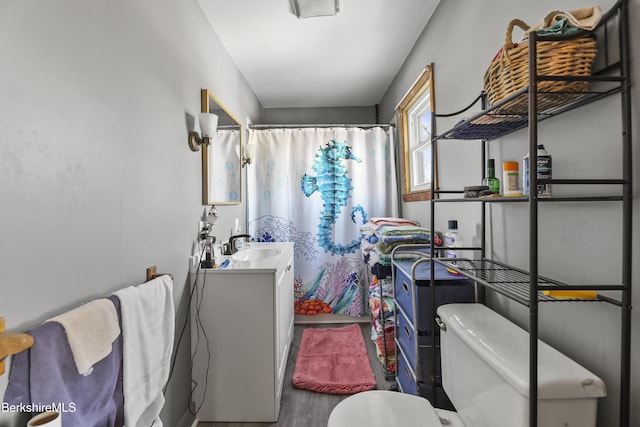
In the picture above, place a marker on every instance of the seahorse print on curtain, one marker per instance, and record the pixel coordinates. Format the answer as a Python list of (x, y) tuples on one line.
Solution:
[(334, 186)]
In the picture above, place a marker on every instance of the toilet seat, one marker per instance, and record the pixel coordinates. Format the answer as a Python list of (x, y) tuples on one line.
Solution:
[(383, 409)]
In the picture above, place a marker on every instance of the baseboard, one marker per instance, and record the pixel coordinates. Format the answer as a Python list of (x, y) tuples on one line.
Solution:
[(187, 420), (330, 318)]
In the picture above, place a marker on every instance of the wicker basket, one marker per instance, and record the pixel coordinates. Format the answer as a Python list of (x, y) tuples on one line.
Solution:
[(509, 71)]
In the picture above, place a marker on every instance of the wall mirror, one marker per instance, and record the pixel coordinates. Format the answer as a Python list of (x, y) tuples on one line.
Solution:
[(416, 118), (221, 164)]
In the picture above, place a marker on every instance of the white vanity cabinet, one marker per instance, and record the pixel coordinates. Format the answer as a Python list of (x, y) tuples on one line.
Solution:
[(241, 331)]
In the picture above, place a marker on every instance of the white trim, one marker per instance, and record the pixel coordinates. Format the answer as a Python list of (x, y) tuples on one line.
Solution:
[(330, 318)]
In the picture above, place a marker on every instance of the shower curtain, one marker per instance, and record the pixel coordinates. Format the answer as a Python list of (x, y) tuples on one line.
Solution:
[(316, 187)]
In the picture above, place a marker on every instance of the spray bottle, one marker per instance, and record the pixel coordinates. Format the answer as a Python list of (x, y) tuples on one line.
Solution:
[(544, 172)]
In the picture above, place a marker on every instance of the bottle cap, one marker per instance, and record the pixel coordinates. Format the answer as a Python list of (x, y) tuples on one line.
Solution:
[(452, 224), (491, 163), (510, 166)]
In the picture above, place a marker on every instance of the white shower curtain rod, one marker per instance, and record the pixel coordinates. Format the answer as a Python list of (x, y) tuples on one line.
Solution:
[(328, 125)]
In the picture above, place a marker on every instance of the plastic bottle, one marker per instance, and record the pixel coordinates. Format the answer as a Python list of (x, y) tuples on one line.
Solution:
[(510, 179), (490, 180), (452, 241), (544, 172)]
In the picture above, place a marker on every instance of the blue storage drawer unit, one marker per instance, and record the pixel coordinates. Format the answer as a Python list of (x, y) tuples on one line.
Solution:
[(407, 383), (406, 336), (414, 296), (417, 347), (405, 376)]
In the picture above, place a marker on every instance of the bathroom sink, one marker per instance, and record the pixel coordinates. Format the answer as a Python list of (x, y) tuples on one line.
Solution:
[(255, 254)]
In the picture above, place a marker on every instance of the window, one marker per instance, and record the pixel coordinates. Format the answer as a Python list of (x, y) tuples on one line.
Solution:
[(417, 126)]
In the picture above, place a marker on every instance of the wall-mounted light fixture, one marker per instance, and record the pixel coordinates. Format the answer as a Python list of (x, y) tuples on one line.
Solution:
[(208, 126), (311, 8), (249, 154)]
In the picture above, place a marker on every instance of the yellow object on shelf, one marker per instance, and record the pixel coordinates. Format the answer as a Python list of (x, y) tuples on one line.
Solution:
[(569, 294)]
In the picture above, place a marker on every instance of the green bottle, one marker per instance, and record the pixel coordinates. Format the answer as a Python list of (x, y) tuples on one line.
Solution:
[(491, 181)]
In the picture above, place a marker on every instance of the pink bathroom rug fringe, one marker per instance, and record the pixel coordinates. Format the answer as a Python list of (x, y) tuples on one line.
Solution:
[(333, 360)]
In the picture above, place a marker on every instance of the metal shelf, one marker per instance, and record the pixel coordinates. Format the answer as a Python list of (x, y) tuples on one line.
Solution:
[(515, 199), (525, 109), (507, 116), (515, 283)]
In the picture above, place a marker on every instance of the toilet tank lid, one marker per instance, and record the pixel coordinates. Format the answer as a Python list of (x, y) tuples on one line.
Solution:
[(504, 346)]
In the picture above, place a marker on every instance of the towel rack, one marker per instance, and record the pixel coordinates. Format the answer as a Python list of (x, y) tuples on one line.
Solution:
[(12, 343), (15, 343), (152, 273)]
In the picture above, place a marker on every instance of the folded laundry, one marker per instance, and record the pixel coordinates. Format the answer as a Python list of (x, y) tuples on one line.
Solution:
[(403, 230), (559, 22), (379, 221), (386, 248)]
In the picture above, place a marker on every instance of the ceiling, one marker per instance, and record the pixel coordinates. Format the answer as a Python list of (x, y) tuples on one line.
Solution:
[(333, 61)]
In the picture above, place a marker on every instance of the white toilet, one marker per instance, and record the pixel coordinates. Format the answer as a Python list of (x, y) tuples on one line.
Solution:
[(485, 372)]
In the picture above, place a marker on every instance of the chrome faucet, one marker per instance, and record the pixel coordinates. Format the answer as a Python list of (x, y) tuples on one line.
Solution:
[(233, 248)]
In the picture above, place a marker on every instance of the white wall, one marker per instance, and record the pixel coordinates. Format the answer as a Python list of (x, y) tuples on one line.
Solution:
[(324, 115), (579, 242), (96, 178)]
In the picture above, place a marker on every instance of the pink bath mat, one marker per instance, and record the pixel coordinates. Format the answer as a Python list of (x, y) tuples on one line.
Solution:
[(333, 360)]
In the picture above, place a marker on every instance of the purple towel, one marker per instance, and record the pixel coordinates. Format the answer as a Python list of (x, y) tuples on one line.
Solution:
[(47, 375)]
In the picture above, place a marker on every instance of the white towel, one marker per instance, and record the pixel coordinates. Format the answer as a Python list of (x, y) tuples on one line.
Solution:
[(585, 18), (91, 329), (148, 325)]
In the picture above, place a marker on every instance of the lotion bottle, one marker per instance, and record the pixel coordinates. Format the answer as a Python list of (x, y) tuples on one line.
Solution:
[(452, 241)]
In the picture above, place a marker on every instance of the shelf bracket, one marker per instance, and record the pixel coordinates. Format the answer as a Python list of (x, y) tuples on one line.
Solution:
[(12, 343)]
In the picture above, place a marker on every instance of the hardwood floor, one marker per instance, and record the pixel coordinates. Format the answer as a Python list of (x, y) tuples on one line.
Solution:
[(308, 408)]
